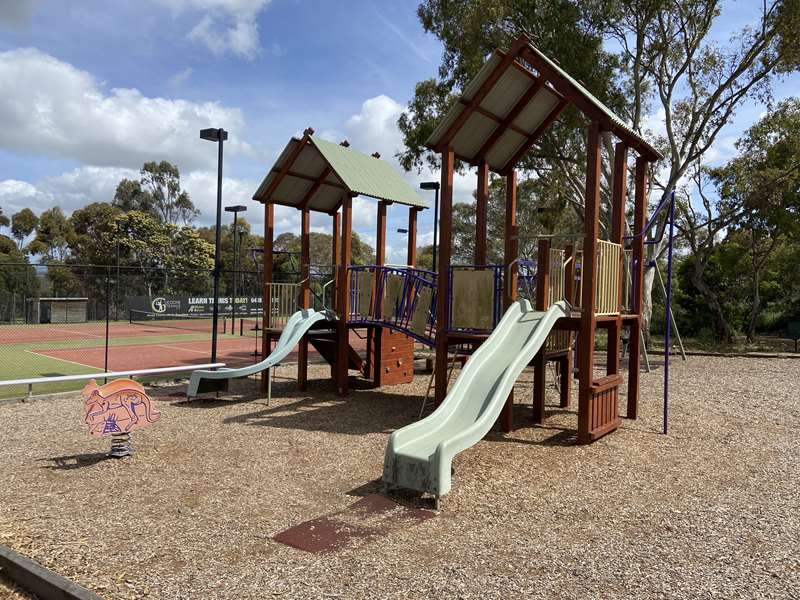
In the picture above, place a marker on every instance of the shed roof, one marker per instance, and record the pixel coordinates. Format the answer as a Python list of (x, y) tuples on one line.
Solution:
[(315, 173), (511, 101)]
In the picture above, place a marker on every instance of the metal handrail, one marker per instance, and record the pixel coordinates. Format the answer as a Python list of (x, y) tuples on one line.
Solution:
[(324, 287)]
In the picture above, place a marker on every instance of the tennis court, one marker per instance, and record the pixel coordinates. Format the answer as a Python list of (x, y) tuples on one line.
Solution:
[(77, 348)]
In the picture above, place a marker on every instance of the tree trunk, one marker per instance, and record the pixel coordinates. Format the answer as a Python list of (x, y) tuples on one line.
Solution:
[(721, 324), (647, 303), (755, 311)]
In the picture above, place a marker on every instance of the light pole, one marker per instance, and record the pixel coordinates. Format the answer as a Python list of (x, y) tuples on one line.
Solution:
[(219, 136), (433, 185), (235, 210)]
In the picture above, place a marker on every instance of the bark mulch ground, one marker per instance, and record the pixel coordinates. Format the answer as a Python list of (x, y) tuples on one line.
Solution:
[(712, 510)]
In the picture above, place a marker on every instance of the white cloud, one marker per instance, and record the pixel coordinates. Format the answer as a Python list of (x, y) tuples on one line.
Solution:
[(226, 26), (374, 128), (16, 13), (51, 108)]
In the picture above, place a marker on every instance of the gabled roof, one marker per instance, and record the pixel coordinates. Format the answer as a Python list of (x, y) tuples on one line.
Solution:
[(315, 173), (511, 101)]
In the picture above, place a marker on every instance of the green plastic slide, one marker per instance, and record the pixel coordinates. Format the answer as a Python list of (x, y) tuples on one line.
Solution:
[(296, 327), (419, 456)]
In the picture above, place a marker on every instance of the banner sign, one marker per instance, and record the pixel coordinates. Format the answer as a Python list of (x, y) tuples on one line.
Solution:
[(200, 306)]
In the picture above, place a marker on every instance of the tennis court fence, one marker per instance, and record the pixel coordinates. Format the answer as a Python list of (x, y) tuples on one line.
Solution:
[(70, 319)]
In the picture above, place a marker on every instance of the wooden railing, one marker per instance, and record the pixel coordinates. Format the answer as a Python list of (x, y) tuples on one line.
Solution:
[(557, 270), (609, 263), (283, 299)]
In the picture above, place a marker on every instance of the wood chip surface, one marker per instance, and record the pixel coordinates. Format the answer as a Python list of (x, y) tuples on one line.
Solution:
[(711, 511)]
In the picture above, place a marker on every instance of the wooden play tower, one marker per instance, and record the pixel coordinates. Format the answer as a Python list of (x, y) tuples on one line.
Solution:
[(316, 175), (499, 117)]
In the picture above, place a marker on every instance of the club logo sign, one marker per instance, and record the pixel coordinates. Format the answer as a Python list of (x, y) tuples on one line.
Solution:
[(117, 408), (159, 305)]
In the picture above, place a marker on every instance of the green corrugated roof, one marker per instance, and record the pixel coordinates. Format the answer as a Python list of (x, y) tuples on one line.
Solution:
[(367, 175)]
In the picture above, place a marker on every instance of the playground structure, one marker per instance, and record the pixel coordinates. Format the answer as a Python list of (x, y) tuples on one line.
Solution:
[(313, 174), (509, 104)]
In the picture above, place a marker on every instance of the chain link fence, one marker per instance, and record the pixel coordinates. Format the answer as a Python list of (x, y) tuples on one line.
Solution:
[(69, 319)]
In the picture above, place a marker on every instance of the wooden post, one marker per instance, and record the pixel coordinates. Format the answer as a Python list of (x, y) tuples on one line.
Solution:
[(443, 276), (511, 242), (305, 293), (375, 334), (336, 265), (542, 303), (411, 256), (481, 208), (569, 294), (637, 281), (335, 256), (268, 266), (343, 302), (618, 195), (506, 419), (589, 276)]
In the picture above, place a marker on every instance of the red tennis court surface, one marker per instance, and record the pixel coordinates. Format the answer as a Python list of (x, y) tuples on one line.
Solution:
[(28, 334), (233, 351)]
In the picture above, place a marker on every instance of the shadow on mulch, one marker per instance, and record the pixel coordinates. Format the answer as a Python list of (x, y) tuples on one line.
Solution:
[(355, 415), (74, 461)]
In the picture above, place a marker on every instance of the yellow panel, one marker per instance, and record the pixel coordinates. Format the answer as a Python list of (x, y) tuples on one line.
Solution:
[(392, 291), (473, 295), (419, 320)]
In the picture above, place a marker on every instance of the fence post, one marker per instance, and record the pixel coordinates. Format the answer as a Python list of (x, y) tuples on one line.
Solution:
[(108, 305)]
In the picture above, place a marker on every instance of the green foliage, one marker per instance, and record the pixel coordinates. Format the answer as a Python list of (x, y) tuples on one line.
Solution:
[(425, 257), (23, 224), (53, 234), (537, 213), (470, 29), (320, 249), (157, 247), (93, 230), (158, 193)]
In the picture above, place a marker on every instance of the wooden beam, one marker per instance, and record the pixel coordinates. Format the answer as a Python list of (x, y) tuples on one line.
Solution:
[(496, 118), (511, 241), (506, 419), (380, 235), (305, 177), (443, 269), (335, 256), (267, 259), (542, 303), (508, 120), (511, 163), (284, 169), (481, 209), (569, 294), (637, 282), (305, 294), (343, 302), (589, 283), (315, 188), (411, 254), (619, 189), (474, 103), (586, 106)]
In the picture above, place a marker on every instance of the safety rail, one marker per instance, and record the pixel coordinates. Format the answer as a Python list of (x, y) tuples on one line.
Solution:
[(475, 297), (283, 300), (609, 262), (400, 298)]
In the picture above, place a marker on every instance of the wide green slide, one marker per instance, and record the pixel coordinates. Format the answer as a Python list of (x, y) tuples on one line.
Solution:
[(296, 327), (419, 456)]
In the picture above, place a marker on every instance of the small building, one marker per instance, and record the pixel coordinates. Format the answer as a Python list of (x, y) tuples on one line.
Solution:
[(56, 310)]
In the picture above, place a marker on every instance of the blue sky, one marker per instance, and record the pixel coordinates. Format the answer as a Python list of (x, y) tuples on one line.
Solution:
[(98, 87)]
